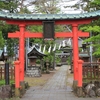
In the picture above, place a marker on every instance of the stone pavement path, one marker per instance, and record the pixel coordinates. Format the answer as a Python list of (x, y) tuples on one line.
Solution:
[(55, 89)]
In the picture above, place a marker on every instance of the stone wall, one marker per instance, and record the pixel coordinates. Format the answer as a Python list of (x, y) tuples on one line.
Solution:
[(5, 92), (33, 72), (91, 89)]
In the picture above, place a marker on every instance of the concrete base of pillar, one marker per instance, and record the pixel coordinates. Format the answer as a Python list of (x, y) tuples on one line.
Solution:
[(17, 92), (22, 89), (79, 92), (75, 82)]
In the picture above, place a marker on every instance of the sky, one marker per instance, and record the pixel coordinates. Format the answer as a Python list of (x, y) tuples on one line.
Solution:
[(67, 10), (69, 3)]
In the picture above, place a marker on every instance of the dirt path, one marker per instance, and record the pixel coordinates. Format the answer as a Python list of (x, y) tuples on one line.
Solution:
[(40, 81)]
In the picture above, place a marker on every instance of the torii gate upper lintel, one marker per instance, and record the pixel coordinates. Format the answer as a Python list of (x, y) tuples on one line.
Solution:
[(57, 22)]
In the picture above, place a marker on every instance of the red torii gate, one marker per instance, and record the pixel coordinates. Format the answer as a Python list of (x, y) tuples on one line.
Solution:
[(22, 20), (22, 34)]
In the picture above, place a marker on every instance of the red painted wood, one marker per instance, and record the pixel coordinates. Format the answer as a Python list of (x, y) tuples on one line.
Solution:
[(75, 50), (80, 62), (40, 35), (25, 22), (78, 22), (14, 35), (33, 35), (63, 34), (57, 22), (22, 50), (83, 34), (17, 74)]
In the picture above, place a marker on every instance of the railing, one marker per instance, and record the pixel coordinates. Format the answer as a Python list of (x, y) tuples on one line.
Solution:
[(91, 71), (11, 72)]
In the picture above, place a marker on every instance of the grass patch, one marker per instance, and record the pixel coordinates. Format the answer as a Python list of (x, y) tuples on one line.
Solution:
[(35, 81), (2, 82)]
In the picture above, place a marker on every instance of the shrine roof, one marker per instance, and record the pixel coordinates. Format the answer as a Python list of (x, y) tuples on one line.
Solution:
[(35, 53), (16, 16)]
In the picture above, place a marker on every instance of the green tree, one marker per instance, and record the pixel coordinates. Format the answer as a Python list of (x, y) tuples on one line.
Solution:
[(94, 28), (1, 40), (47, 6), (86, 5), (11, 6)]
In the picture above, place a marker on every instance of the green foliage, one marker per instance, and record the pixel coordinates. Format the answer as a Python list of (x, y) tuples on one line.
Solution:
[(1, 40), (10, 46), (24, 10), (9, 5), (2, 82), (35, 28), (95, 39), (97, 2), (69, 61), (47, 6), (94, 27), (89, 28), (5, 28), (58, 59), (59, 28), (87, 5)]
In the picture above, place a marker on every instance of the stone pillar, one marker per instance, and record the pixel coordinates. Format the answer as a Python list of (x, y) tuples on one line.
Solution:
[(6, 73)]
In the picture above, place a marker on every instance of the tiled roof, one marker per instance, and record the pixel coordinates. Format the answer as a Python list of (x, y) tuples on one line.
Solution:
[(16, 16), (34, 52)]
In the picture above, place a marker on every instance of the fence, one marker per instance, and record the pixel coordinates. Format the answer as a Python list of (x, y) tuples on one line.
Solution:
[(91, 71), (11, 72)]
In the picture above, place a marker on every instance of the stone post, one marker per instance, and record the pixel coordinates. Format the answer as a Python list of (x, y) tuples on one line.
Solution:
[(6, 73)]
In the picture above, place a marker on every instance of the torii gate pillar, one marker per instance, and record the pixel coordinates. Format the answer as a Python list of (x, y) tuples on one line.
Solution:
[(21, 50), (75, 49)]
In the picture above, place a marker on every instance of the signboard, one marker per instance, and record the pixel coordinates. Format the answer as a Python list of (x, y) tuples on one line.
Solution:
[(48, 30)]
